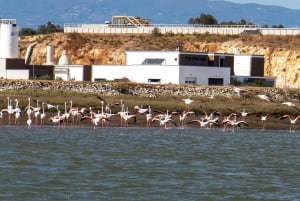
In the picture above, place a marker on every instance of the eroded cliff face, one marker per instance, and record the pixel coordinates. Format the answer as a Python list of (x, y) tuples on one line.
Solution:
[(282, 54)]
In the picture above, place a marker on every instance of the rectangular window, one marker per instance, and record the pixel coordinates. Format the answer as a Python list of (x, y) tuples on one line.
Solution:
[(154, 81), (190, 80), (216, 81), (99, 80)]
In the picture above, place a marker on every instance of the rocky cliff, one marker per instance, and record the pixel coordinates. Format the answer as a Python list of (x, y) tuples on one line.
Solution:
[(282, 53)]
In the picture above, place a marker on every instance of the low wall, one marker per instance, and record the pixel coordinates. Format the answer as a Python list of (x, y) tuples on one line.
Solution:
[(145, 90), (176, 29)]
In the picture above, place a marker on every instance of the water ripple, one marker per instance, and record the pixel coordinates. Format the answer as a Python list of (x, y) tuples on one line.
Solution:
[(138, 164)]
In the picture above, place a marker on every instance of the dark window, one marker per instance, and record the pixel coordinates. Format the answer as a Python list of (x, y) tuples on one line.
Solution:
[(216, 81), (221, 62), (153, 61), (100, 80), (153, 80)]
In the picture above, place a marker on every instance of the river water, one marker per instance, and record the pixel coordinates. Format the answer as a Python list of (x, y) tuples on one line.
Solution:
[(79, 163)]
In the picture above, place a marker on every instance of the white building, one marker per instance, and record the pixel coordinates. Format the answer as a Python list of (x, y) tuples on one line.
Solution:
[(66, 71), (164, 67), (11, 67)]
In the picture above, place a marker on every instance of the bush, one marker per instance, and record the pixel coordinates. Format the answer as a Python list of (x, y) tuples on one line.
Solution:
[(156, 32)]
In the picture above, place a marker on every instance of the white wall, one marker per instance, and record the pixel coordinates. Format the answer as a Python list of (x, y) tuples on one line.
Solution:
[(166, 74), (17, 74), (137, 57), (242, 65), (137, 73), (9, 40), (2, 68), (204, 73), (75, 72), (11, 73)]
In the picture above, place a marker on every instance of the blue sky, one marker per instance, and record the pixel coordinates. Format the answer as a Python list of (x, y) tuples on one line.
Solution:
[(293, 4)]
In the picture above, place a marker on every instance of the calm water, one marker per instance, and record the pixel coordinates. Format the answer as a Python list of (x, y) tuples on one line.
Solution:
[(44, 163)]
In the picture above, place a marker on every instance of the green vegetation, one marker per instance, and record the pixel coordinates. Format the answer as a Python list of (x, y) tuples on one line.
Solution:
[(207, 19), (42, 29)]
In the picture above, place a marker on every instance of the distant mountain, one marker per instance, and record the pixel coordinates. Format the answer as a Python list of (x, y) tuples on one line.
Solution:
[(32, 13)]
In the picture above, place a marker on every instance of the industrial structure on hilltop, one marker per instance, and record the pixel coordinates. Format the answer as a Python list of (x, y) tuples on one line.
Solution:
[(155, 67), (132, 25)]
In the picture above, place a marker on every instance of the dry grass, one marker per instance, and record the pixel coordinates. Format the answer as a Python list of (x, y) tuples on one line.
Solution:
[(224, 105)]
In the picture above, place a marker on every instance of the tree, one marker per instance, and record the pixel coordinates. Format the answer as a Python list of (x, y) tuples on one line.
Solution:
[(49, 28), (27, 32), (205, 19), (156, 32)]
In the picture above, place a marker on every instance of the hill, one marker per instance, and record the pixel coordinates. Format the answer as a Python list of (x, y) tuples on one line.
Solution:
[(32, 13), (282, 53)]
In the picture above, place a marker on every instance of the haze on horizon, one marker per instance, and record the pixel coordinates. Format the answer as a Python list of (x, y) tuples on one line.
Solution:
[(292, 4)]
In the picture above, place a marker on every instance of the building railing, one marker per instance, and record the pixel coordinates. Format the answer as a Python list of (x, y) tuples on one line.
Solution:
[(8, 21), (176, 29)]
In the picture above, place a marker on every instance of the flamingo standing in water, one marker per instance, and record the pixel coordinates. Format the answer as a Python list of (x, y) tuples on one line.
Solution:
[(29, 121), (29, 108), (149, 117), (204, 123), (9, 110), (235, 123), (36, 111), (164, 119), (183, 117), (43, 114), (147, 112), (292, 121), (17, 111), (125, 116)]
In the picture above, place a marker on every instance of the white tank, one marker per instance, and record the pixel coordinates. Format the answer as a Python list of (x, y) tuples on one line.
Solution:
[(50, 52), (9, 38)]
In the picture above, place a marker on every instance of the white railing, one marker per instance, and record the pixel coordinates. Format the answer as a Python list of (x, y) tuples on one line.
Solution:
[(176, 29)]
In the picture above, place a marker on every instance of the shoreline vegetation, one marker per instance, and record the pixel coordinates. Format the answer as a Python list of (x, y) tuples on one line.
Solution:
[(205, 99)]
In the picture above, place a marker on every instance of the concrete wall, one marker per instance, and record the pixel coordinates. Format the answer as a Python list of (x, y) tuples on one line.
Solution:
[(176, 29), (137, 57), (165, 74), (69, 72), (137, 73), (242, 65), (17, 74), (204, 73)]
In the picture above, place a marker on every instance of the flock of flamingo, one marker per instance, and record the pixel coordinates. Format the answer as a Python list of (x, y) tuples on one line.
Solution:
[(40, 115)]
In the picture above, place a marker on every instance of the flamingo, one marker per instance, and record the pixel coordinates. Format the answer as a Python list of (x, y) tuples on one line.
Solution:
[(29, 121), (292, 121), (67, 114), (188, 101), (125, 116), (183, 117), (49, 106), (291, 104), (141, 110), (148, 117), (244, 114), (43, 114), (29, 108), (164, 119), (235, 123), (17, 111), (9, 110), (36, 111), (57, 119), (203, 123), (263, 119), (107, 105), (164, 122), (265, 97), (94, 120)]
